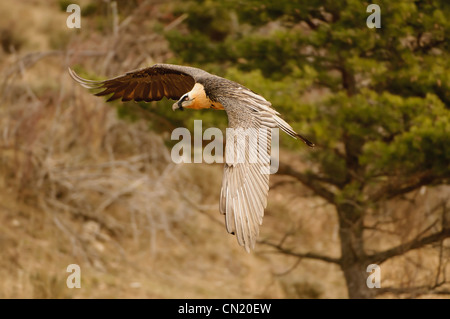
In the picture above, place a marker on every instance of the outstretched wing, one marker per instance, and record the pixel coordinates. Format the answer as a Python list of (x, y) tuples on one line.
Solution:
[(147, 84), (245, 184)]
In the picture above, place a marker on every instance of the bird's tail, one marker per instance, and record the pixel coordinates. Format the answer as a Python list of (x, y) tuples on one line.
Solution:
[(285, 127)]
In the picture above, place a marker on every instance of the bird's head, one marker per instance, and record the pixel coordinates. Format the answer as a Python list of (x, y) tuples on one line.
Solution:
[(185, 101)]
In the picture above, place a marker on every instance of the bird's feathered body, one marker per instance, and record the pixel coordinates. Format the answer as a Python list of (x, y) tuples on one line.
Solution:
[(245, 184)]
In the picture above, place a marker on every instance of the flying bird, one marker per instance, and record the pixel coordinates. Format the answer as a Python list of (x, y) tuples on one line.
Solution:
[(245, 184)]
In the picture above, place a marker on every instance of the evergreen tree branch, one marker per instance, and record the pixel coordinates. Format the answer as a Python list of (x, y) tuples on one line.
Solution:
[(280, 249), (392, 190), (309, 180), (416, 243)]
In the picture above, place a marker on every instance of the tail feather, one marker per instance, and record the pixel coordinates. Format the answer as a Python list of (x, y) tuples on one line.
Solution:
[(285, 127)]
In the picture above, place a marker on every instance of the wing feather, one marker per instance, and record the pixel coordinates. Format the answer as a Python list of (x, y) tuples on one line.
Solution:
[(146, 84), (245, 184)]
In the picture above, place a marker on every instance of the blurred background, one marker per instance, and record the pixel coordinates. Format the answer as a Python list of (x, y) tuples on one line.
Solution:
[(91, 183)]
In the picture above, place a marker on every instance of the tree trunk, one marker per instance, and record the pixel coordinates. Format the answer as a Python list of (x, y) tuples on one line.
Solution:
[(355, 276), (353, 257)]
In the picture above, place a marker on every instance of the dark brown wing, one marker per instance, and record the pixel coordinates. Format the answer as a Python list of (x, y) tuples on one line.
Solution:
[(147, 84)]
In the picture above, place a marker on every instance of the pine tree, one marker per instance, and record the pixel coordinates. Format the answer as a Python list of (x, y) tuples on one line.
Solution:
[(382, 122)]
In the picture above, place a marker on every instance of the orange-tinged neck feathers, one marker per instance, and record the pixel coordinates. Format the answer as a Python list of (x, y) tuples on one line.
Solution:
[(200, 100)]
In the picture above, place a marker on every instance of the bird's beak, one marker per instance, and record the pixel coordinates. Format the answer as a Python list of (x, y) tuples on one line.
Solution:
[(177, 106)]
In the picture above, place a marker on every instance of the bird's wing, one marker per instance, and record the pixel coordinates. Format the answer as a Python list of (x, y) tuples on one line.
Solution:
[(245, 184), (147, 84)]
